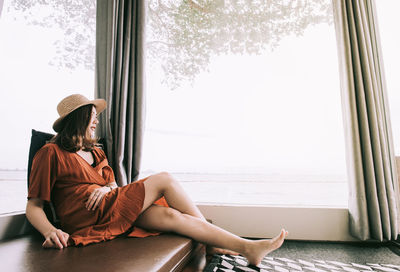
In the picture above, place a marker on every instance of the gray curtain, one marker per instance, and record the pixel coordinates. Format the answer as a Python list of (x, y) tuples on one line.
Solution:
[(373, 187), (120, 80)]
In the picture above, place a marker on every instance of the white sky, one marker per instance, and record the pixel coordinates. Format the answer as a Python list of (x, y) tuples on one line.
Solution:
[(267, 114), (389, 22), (277, 112), (29, 88)]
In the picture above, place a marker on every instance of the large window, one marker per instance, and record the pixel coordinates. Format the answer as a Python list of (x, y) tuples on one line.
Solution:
[(243, 101), (46, 53), (389, 21)]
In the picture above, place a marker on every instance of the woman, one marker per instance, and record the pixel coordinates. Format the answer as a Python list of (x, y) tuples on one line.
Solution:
[(74, 174)]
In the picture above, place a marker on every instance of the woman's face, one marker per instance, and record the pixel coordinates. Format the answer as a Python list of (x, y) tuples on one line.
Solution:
[(92, 123)]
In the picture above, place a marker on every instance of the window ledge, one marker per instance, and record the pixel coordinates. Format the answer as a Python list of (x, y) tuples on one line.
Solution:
[(13, 225)]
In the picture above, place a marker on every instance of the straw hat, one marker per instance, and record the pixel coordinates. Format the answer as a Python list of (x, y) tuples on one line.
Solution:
[(73, 102)]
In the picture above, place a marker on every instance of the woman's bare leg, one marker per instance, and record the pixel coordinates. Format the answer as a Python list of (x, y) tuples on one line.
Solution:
[(169, 219), (164, 184)]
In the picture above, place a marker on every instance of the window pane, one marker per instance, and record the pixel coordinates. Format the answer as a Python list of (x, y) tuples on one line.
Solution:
[(243, 101), (46, 52), (389, 21)]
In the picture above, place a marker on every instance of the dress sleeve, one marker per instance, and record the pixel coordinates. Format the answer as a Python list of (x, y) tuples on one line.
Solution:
[(107, 172), (43, 174)]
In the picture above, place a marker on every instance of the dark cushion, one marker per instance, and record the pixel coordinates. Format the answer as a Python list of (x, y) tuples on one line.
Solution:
[(39, 139)]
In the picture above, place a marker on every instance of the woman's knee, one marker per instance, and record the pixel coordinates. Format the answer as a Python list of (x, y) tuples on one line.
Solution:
[(165, 178)]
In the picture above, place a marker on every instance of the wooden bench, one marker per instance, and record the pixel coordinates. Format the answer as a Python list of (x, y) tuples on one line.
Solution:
[(167, 252)]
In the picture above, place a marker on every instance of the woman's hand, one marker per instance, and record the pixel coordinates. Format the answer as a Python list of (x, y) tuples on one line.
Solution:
[(96, 196), (56, 239)]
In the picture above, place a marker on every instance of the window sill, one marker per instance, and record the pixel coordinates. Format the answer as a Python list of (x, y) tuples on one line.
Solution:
[(13, 225), (303, 223)]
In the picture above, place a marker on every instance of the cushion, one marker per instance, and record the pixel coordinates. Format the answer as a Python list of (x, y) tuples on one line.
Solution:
[(39, 139)]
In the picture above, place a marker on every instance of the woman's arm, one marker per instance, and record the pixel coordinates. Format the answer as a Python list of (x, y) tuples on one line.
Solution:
[(54, 237)]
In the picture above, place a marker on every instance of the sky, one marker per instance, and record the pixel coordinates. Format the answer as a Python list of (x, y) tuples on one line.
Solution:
[(30, 88), (275, 113), (278, 113), (388, 21)]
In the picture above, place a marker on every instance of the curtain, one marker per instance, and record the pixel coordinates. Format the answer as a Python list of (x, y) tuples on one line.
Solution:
[(373, 187), (120, 80)]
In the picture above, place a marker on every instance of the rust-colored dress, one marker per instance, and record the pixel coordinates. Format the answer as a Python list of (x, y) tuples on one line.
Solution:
[(67, 180)]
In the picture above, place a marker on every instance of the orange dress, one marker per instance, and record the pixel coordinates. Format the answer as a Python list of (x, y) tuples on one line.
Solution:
[(67, 180)]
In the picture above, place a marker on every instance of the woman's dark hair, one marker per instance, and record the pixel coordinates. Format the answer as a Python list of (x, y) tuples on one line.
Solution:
[(73, 134)]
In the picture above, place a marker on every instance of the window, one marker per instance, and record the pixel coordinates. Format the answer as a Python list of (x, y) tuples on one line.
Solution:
[(388, 20), (243, 101), (47, 52)]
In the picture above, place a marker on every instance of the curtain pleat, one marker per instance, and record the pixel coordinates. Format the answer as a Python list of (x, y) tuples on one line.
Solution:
[(373, 201), (120, 80)]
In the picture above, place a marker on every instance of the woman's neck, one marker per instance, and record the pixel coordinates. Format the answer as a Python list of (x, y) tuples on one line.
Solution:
[(86, 155)]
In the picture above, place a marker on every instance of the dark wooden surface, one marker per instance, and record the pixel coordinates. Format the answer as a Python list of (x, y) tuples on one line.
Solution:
[(166, 252)]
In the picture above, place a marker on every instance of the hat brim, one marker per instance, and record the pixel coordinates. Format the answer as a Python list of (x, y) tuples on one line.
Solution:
[(100, 105)]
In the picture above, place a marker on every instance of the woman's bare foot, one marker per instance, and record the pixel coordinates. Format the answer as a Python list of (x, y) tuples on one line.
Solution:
[(258, 249), (210, 250)]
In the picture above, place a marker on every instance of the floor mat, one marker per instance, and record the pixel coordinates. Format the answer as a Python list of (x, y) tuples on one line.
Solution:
[(228, 263)]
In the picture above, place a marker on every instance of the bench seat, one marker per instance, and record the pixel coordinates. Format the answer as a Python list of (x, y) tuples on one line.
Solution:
[(166, 252)]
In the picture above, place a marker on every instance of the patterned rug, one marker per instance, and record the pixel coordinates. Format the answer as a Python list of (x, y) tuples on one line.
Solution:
[(228, 263)]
